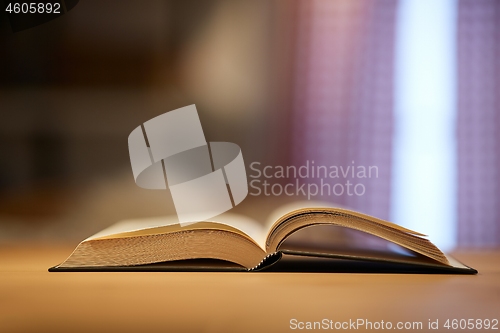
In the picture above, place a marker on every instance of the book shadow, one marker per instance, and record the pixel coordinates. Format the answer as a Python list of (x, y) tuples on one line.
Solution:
[(292, 264)]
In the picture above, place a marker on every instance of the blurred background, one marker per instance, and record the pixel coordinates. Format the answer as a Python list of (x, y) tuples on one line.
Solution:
[(412, 87)]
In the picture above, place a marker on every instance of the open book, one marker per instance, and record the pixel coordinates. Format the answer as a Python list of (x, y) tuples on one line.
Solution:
[(294, 235)]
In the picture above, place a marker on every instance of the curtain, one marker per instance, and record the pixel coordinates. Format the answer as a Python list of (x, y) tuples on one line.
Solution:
[(343, 95), (478, 119)]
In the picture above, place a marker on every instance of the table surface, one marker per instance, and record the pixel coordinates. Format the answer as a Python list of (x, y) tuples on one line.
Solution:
[(34, 300)]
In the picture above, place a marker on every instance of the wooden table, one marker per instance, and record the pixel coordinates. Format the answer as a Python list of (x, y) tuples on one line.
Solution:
[(33, 300)]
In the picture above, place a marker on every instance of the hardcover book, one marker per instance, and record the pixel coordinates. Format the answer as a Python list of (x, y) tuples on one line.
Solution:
[(297, 237)]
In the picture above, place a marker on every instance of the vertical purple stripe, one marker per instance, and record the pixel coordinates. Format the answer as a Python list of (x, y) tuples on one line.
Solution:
[(478, 123), (343, 92)]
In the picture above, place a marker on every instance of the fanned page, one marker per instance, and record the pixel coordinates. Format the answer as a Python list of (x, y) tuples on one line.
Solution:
[(290, 218), (276, 216)]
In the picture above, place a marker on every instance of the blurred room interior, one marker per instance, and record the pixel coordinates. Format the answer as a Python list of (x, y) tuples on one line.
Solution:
[(288, 81)]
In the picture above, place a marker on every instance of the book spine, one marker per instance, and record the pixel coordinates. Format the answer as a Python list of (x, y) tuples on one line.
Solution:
[(268, 261)]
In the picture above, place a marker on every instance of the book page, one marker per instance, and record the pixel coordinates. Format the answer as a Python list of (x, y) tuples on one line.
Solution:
[(285, 209), (168, 224), (311, 216), (135, 225), (309, 205), (247, 225)]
